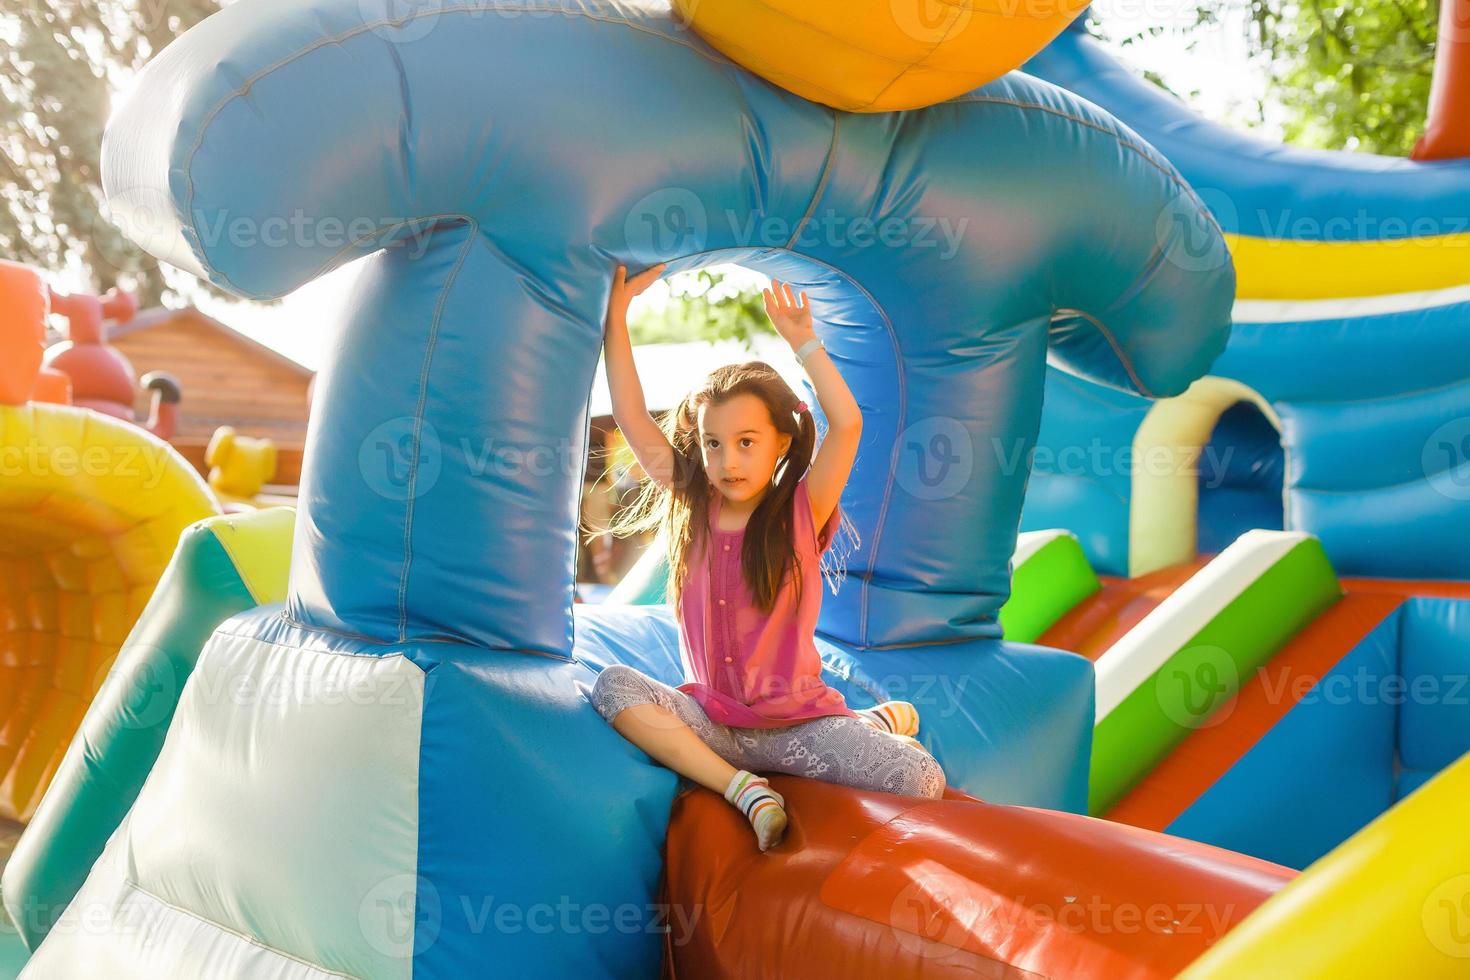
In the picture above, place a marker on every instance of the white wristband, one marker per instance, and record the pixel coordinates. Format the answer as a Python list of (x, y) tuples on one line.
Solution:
[(806, 349)]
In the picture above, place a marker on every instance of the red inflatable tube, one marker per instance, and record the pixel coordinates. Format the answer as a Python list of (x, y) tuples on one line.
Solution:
[(875, 885)]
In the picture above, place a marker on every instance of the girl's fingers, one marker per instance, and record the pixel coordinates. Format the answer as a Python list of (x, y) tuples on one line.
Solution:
[(803, 298), (789, 297)]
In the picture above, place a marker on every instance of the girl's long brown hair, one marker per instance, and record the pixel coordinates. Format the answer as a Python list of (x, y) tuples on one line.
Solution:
[(681, 510)]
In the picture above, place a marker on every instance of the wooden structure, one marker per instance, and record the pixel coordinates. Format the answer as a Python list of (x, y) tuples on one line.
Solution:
[(227, 379)]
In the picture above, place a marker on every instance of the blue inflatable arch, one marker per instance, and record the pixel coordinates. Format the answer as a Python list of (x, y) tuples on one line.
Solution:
[(513, 153)]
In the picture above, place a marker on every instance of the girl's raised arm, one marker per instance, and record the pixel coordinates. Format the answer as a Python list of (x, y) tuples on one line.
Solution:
[(630, 410), (833, 462)]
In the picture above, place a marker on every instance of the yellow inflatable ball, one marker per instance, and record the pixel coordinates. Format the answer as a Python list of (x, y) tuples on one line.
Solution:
[(877, 55)]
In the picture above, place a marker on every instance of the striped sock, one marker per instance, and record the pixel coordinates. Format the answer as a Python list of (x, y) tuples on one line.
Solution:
[(898, 717), (763, 807)]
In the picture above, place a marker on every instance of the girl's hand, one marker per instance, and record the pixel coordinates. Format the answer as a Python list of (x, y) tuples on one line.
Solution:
[(624, 289), (792, 321)]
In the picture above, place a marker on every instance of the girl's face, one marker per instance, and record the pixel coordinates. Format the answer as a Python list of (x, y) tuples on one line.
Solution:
[(740, 446)]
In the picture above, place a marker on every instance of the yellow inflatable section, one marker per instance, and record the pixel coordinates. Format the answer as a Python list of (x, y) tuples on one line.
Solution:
[(1392, 901), (1305, 270), (91, 509), (877, 55)]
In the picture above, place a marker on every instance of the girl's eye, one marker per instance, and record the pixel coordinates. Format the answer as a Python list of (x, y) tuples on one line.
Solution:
[(747, 440)]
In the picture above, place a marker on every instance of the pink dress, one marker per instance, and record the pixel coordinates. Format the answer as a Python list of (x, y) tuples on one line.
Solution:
[(749, 669)]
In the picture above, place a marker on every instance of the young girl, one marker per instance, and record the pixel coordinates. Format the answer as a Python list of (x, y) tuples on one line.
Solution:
[(747, 524)]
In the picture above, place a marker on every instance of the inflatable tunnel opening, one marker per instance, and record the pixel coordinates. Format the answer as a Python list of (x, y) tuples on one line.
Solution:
[(1210, 466), (1241, 475), (846, 306)]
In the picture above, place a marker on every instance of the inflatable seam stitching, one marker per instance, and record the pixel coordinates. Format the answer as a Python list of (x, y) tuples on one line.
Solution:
[(935, 46), (1142, 149), (252, 940), (335, 39), (1123, 359), (473, 231), (821, 183), (289, 648)]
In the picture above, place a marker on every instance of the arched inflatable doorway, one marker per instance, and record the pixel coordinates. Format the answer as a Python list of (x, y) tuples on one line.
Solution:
[(1177, 464)]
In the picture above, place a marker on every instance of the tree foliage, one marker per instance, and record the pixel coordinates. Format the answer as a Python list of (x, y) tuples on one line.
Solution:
[(1347, 76), (703, 305), (60, 60)]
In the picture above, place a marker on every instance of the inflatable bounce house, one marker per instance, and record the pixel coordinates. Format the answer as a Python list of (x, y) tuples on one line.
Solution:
[(377, 758), (91, 508)]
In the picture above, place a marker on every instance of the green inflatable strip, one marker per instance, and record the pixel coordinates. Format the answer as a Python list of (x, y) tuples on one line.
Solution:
[(1045, 587), (1182, 694), (123, 731)]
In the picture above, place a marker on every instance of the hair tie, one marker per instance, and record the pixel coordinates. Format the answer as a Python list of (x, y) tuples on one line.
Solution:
[(800, 407)]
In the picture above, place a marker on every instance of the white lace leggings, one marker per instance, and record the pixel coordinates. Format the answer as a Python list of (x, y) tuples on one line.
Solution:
[(833, 748)]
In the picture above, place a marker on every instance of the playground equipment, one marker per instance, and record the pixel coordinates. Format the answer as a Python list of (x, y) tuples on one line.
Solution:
[(90, 510), (321, 833), (101, 377), (239, 467)]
